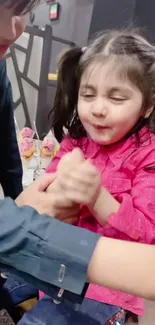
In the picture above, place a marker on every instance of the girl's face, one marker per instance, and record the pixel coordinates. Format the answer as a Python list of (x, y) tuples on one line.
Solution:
[(11, 27), (108, 106)]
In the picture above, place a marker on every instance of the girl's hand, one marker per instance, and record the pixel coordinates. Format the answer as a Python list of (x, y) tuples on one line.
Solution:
[(70, 160), (65, 209), (77, 182), (80, 183)]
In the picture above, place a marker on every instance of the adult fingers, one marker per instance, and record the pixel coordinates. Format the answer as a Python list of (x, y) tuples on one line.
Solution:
[(43, 182)]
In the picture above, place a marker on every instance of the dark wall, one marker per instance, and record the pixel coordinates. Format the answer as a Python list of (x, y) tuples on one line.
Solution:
[(109, 14), (122, 13), (144, 16), (73, 24)]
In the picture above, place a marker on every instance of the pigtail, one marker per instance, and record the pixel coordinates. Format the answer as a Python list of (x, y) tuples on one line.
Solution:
[(66, 96)]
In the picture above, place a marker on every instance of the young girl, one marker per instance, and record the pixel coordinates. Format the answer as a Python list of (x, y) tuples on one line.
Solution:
[(105, 99)]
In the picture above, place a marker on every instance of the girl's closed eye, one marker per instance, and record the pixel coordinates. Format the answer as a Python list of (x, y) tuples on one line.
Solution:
[(87, 95), (118, 95), (87, 92), (118, 99)]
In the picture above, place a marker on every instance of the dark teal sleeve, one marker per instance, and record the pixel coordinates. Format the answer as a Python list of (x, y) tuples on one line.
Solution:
[(44, 250), (10, 162)]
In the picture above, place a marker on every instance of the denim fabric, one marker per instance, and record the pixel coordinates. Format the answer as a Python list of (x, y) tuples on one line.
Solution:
[(70, 298), (91, 313), (18, 289)]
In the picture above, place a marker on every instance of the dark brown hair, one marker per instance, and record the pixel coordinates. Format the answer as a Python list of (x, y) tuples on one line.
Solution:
[(21, 6), (137, 59)]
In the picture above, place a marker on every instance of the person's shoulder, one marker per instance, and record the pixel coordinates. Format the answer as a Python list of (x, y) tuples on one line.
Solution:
[(4, 81), (2, 65), (147, 144), (146, 152), (3, 73)]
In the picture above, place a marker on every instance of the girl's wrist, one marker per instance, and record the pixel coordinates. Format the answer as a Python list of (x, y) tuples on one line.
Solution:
[(104, 206), (95, 199)]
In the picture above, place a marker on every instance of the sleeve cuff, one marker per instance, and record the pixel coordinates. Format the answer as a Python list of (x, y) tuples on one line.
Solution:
[(68, 255)]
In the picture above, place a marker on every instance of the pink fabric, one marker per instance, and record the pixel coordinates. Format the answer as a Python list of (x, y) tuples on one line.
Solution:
[(41, 294), (122, 168)]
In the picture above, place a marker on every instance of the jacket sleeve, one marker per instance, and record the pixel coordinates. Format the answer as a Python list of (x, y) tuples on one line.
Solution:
[(136, 216), (10, 162), (44, 250)]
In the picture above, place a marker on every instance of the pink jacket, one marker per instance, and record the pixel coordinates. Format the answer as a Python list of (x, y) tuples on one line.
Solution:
[(123, 167)]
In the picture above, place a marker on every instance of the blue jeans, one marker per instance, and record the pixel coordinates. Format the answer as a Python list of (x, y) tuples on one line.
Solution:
[(91, 313), (18, 289)]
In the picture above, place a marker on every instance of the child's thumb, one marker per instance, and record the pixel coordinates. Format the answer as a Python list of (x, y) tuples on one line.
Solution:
[(70, 160), (77, 155)]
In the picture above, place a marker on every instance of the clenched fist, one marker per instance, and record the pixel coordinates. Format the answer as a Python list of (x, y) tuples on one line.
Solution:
[(77, 181)]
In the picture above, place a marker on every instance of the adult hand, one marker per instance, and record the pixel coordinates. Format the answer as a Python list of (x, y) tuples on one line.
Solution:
[(36, 197), (64, 209)]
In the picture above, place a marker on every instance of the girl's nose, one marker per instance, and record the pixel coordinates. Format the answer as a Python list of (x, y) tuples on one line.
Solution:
[(99, 109)]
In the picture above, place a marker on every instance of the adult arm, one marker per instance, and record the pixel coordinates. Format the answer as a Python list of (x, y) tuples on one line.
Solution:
[(124, 266), (40, 248)]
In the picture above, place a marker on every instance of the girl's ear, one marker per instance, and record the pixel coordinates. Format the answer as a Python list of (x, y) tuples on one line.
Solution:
[(150, 109), (149, 112)]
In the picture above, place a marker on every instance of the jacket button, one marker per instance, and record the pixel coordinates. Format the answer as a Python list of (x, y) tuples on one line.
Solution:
[(60, 295), (62, 273)]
